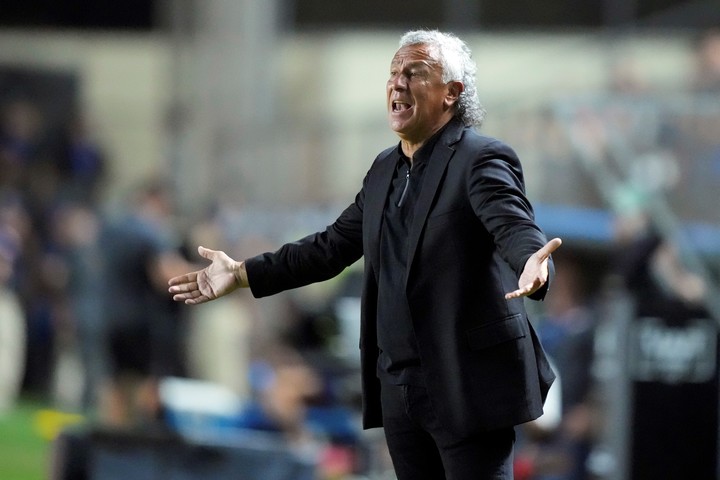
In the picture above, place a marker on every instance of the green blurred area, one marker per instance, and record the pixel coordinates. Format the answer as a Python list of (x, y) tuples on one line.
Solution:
[(24, 454)]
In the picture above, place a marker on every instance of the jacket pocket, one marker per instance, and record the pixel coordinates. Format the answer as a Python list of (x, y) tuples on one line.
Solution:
[(437, 220), (509, 328)]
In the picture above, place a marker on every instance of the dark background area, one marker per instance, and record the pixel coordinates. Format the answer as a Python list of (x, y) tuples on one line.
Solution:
[(79, 14), (143, 15)]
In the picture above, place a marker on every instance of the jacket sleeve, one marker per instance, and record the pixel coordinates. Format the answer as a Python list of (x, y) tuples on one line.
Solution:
[(315, 258), (496, 190)]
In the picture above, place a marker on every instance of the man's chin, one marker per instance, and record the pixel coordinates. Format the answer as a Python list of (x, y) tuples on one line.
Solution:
[(398, 126)]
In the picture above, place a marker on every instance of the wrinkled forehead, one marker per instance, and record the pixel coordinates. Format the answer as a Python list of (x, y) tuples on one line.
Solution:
[(417, 53)]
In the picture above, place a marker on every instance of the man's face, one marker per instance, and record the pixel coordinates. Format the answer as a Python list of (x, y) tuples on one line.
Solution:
[(418, 101)]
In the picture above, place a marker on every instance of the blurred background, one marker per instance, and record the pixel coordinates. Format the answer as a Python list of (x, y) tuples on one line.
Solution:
[(131, 132)]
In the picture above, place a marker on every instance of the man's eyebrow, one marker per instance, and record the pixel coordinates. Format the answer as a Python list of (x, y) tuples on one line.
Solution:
[(412, 64)]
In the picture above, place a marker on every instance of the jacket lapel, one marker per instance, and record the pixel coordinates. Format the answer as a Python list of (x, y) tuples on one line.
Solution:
[(434, 174)]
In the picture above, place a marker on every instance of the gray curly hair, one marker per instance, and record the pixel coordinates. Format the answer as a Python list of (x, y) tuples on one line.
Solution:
[(457, 64)]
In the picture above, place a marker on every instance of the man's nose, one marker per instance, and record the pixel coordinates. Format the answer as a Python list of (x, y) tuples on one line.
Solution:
[(399, 82)]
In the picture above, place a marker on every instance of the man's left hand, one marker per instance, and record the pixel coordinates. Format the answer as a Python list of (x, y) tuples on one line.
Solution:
[(535, 273)]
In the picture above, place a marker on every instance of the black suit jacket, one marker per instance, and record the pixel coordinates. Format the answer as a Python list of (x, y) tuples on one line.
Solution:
[(472, 233)]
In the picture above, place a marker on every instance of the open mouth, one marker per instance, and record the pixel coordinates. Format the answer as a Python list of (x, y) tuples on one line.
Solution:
[(398, 106)]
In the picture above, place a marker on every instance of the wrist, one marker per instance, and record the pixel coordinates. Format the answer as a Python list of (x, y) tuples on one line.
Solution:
[(240, 274)]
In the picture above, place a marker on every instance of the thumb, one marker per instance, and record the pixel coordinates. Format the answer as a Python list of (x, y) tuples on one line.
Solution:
[(206, 253), (549, 248)]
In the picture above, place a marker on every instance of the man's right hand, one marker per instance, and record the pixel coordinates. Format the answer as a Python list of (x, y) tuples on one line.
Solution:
[(222, 276)]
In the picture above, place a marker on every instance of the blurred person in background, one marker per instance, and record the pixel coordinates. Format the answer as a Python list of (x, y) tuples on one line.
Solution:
[(450, 361), (77, 228), (20, 129), (566, 330), (80, 162), (144, 334), (707, 62), (12, 321), (285, 384), (219, 343), (674, 360), (26, 193)]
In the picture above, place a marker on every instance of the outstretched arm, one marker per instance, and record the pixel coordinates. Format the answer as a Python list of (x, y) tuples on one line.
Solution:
[(535, 273), (222, 276)]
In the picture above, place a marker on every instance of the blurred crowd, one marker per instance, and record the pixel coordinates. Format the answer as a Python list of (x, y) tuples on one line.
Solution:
[(49, 185), (87, 325), (86, 321)]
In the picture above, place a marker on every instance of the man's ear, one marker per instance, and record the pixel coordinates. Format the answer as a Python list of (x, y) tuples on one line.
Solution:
[(453, 93)]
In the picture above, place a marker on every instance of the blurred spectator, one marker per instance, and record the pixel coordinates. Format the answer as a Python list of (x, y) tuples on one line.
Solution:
[(288, 401), (285, 385), (654, 272), (77, 229), (29, 184), (12, 322), (567, 332), (144, 336), (219, 337), (20, 126), (15, 222), (676, 438), (707, 62), (80, 162), (626, 78), (39, 285)]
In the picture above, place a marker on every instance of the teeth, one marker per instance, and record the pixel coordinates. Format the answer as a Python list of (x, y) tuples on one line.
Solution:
[(400, 106)]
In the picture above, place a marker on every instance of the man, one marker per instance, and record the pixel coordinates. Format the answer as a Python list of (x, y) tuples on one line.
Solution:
[(450, 362), (143, 335)]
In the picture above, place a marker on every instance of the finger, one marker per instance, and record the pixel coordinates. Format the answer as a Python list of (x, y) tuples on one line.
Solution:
[(187, 278), (511, 295), (198, 300), (180, 297), (520, 292), (515, 294), (184, 287)]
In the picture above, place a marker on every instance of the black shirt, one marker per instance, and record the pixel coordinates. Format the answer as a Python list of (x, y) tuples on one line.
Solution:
[(399, 361)]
